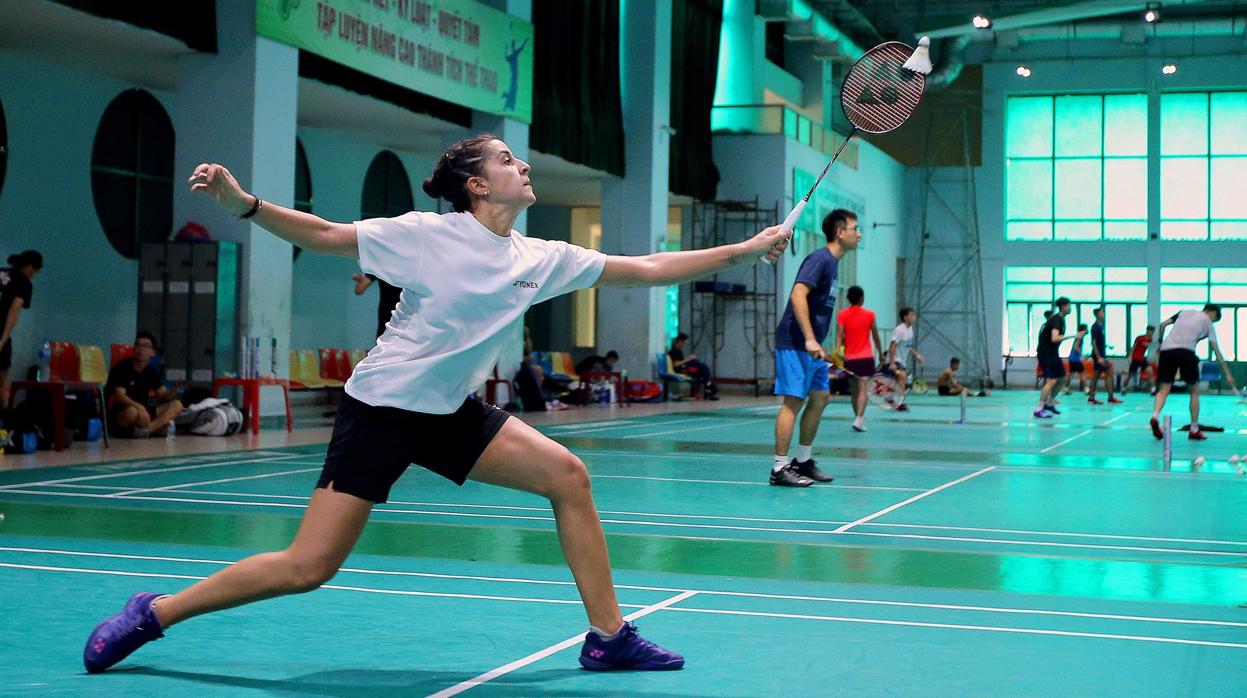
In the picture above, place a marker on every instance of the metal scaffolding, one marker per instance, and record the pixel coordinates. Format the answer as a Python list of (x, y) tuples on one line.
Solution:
[(751, 293), (948, 285)]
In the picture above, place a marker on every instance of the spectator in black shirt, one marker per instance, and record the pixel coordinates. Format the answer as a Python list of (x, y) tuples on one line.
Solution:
[(594, 362), (692, 367), (139, 403), (1053, 369), (15, 292)]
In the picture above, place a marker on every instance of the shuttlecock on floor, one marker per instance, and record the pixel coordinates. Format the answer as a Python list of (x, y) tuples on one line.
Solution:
[(920, 61), (1197, 464)]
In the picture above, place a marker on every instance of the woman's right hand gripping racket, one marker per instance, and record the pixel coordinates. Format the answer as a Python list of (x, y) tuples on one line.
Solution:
[(880, 92)]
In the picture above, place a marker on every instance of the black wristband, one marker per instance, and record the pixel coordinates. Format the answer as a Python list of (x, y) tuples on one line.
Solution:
[(255, 208)]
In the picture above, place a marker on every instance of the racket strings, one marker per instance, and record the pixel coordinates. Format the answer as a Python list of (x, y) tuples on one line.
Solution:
[(879, 94)]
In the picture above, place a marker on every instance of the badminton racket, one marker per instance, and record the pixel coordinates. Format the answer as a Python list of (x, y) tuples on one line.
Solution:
[(880, 92), (881, 388)]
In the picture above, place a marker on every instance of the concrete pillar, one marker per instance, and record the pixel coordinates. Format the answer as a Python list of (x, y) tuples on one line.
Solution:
[(239, 107), (634, 208)]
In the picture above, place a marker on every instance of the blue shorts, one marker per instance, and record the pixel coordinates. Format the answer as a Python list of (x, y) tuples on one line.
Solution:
[(797, 374)]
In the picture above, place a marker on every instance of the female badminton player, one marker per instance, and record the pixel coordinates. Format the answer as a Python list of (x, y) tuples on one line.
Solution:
[(467, 279)]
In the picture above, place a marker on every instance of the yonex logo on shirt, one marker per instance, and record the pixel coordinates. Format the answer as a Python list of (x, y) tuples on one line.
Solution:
[(526, 284)]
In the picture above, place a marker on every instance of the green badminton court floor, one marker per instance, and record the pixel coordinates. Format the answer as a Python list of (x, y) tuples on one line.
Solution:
[(998, 556)]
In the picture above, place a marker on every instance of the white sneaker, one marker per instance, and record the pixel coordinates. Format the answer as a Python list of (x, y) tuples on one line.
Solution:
[(859, 424)]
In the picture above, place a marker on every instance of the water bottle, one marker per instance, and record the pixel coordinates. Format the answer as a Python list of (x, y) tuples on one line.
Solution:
[(45, 361)]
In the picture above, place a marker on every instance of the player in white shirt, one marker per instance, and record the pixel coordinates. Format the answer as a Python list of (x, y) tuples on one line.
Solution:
[(1177, 356), (467, 280), (899, 351)]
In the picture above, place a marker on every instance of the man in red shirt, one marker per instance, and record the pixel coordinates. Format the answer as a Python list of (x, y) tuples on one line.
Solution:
[(855, 328), (1138, 356)]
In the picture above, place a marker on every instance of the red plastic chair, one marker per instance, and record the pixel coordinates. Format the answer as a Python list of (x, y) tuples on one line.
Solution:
[(342, 364), (65, 365), (335, 364), (118, 353)]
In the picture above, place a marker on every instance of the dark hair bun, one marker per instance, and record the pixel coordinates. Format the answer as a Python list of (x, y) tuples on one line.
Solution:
[(432, 189)]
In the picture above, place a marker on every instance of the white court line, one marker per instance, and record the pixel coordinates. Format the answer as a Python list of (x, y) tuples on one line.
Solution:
[(1062, 443), (629, 425), (956, 626), (749, 482), (823, 522), (1101, 425), (147, 471), (704, 592), (1053, 544), (913, 499), (664, 605), (367, 590), (842, 530), (210, 482), (552, 649), (933, 463), (684, 431)]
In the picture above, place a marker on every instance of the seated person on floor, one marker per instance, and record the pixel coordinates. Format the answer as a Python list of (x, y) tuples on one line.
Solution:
[(600, 364), (692, 367), (947, 383), (133, 411)]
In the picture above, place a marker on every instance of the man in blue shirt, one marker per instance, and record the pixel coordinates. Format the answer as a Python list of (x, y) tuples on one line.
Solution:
[(800, 359)]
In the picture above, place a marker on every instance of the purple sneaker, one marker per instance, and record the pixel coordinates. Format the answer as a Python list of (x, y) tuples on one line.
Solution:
[(626, 651), (114, 639)]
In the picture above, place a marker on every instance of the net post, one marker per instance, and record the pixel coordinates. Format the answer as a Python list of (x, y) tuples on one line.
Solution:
[(962, 420), (1167, 443)]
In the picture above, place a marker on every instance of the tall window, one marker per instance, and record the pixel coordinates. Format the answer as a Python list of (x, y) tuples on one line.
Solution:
[(4, 146), (302, 185), (132, 172), (1076, 167), (387, 190), (1189, 288), (302, 179), (1029, 291), (1203, 165)]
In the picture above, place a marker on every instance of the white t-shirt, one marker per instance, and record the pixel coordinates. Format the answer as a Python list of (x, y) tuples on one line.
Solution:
[(465, 292), (903, 335), (1190, 327)]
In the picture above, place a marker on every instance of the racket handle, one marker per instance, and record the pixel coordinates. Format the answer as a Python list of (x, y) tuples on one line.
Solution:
[(790, 222)]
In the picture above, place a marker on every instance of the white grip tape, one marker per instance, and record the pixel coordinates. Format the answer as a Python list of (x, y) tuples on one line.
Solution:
[(790, 222)]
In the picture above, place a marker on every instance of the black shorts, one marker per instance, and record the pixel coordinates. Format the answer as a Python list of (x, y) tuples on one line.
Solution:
[(1174, 362), (1138, 365), (862, 367), (1102, 365), (945, 390), (372, 446), (1052, 367), (6, 354)]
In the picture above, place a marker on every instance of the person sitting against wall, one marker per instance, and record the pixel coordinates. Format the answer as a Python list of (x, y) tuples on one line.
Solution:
[(600, 364), (692, 367), (139, 403), (947, 383)]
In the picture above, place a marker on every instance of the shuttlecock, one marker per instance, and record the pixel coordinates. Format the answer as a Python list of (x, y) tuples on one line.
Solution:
[(920, 62), (1197, 464)]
